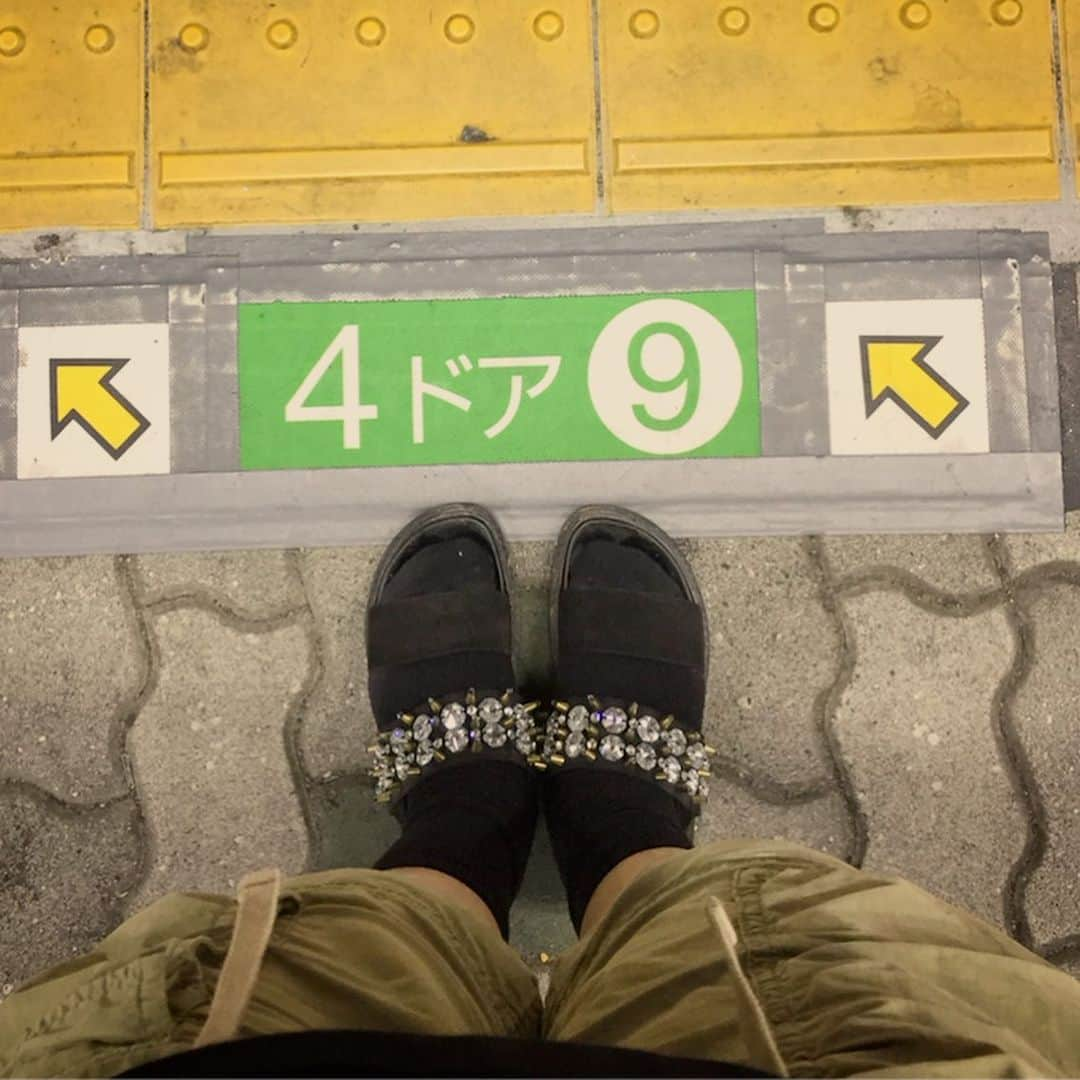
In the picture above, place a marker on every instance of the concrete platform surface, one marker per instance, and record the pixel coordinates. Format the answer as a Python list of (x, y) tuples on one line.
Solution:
[(170, 722)]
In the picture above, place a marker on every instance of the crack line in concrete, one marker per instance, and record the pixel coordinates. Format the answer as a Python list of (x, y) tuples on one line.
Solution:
[(1013, 754), (827, 701)]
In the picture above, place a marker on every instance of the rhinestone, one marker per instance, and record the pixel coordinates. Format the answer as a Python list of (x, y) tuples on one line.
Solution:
[(495, 735), (578, 718), (551, 746), (646, 757), (525, 745), (520, 715), (648, 728), (422, 727), (612, 748), (384, 786), (425, 755), (470, 710), (675, 742), (671, 769), (697, 757), (691, 781), (453, 716), (490, 710), (522, 729), (402, 767), (575, 744), (457, 740), (399, 740), (614, 720), (703, 789), (381, 753)]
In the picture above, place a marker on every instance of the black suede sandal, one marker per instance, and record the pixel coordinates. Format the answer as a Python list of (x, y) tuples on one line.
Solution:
[(630, 639), (440, 661)]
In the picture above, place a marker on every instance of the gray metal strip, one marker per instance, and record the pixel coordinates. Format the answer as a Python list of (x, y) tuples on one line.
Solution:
[(1006, 375), (9, 383), (396, 246), (972, 493), (580, 275), (111, 270), (808, 386), (794, 413), (221, 403), (927, 279), (94, 305), (1040, 352), (188, 376), (886, 246)]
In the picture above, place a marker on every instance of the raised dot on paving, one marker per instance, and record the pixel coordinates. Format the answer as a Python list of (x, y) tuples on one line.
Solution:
[(644, 24), (824, 17), (548, 25), (370, 31), (734, 21), (1007, 12), (460, 28), (282, 34), (915, 15), (99, 38), (12, 41), (194, 37)]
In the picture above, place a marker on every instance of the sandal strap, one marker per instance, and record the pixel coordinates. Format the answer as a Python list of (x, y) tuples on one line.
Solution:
[(624, 622), (438, 625)]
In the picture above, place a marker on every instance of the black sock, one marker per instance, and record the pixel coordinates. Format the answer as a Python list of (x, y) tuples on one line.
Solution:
[(597, 818), (474, 821)]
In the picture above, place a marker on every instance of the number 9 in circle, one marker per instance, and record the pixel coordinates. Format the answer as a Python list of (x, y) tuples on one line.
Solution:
[(665, 376)]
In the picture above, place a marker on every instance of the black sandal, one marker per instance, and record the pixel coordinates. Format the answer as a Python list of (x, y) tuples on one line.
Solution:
[(440, 660), (629, 635)]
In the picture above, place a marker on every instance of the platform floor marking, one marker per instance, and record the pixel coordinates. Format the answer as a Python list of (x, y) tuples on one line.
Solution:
[(907, 377), (71, 77), (93, 400), (781, 103), (320, 110)]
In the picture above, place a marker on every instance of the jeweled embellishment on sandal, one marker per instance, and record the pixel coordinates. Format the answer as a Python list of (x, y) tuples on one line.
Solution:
[(631, 737), (438, 730)]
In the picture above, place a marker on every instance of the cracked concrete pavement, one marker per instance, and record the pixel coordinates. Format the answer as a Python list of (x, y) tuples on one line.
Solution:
[(906, 703)]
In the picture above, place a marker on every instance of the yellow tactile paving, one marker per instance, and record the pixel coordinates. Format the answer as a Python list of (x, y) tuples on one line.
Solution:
[(304, 110), (1070, 13), (71, 77), (803, 102)]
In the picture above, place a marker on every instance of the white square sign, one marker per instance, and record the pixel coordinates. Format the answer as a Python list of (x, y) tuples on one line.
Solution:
[(93, 400), (907, 377)]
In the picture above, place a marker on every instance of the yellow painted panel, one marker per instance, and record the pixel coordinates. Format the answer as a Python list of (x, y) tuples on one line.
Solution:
[(71, 78), (849, 102), (1070, 12), (329, 110)]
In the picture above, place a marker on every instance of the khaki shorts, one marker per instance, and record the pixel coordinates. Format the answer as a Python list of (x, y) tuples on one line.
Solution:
[(844, 972)]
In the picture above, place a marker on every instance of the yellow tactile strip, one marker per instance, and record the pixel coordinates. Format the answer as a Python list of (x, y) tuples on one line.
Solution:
[(1070, 13), (802, 102), (71, 78), (328, 110)]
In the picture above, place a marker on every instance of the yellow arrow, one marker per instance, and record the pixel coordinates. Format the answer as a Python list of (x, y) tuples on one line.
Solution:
[(81, 391), (895, 369)]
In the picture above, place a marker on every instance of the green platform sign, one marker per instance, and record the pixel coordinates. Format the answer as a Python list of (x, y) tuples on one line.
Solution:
[(432, 382)]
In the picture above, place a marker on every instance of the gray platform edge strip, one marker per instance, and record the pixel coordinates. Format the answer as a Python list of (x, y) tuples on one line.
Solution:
[(188, 375), (221, 406), (875, 247), (808, 390), (929, 279), (1040, 355), (1067, 319), (1006, 372), (558, 275), (94, 305), (9, 380), (468, 243), (758, 496)]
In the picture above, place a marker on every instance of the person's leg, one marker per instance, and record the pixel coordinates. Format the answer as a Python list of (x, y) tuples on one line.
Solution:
[(412, 946), (350, 949), (848, 973)]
